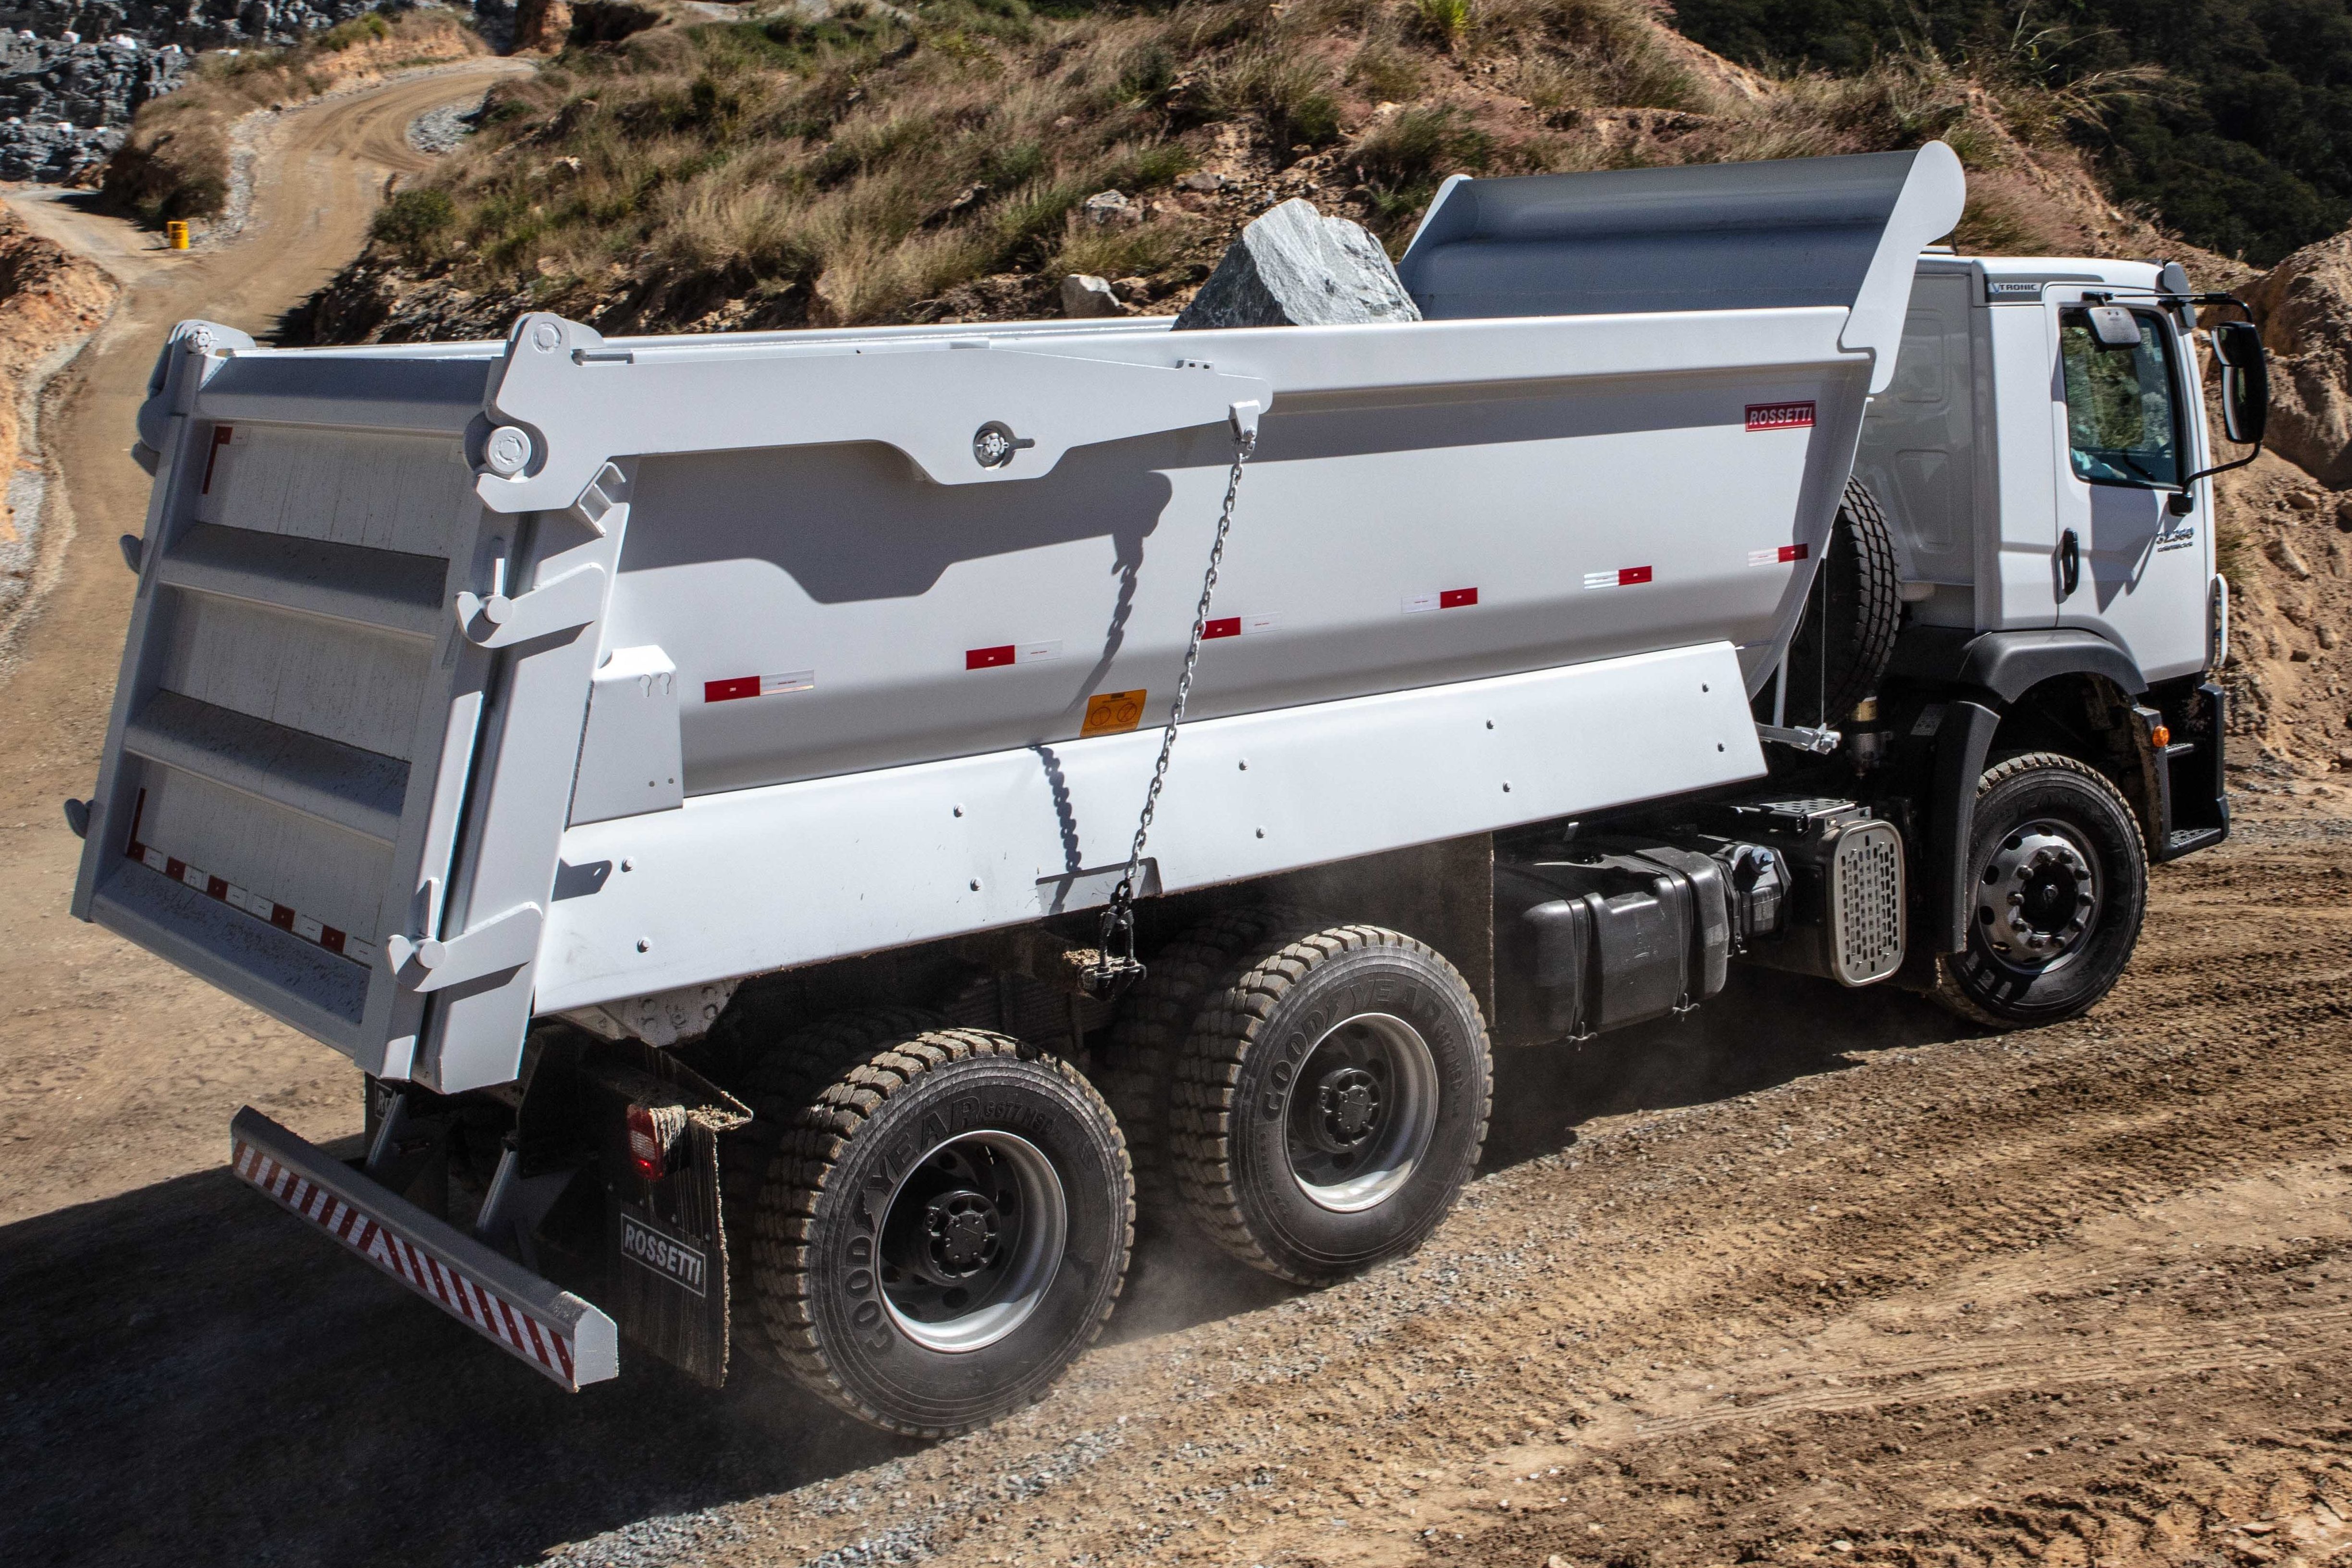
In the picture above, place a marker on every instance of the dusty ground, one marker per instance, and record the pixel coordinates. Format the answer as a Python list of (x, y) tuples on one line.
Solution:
[(1816, 1276)]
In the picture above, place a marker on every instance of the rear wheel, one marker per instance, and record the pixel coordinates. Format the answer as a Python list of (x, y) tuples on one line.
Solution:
[(943, 1232), (1330, 1102), (1155, 1019), (784, 1080), (2057, 889)]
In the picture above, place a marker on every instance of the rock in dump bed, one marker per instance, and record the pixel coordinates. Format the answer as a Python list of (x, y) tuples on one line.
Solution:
[(1292, 266)]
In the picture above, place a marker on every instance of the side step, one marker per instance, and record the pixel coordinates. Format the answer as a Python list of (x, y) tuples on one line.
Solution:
[(564, 1337)]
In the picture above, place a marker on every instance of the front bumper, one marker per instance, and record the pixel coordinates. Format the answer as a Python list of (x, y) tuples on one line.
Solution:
[(552, 1330)]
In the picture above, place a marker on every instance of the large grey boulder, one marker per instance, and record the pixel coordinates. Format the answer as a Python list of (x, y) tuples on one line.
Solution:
[(1292, 266)]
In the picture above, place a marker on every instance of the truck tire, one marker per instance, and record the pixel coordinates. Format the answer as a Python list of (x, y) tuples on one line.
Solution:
[(1842, 648), (783, 1081), (1330, 1102), (1155, 1019), (2058, 887), (943, 1232)]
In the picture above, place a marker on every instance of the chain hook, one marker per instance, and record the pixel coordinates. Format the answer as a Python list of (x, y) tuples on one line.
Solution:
[(1117, 966)]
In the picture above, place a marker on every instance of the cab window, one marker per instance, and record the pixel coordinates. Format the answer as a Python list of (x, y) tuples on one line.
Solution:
[(2121, 425)]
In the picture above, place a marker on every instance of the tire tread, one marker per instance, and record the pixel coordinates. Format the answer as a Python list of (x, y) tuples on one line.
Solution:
[(785, 1217), (1209, 1074), (1950, 991)]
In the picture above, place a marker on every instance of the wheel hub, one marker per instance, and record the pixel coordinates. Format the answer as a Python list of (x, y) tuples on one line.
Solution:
[(963, 1228), (1361, 1112), (1350, 1100), (2038, 897), (970, 1240)]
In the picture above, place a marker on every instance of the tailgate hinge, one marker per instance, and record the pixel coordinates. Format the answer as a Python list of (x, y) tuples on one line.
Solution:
[(502, 942)]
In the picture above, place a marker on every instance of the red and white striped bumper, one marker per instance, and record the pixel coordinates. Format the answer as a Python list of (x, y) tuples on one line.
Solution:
[(553, 1329)]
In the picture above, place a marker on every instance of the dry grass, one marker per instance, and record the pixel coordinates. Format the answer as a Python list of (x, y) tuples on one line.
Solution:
[(769, 171), (174, 163), (847, 170)]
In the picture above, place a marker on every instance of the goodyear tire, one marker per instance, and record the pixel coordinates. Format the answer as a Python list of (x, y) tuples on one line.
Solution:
[(943, 1232), (2057, 889), (1330, 1102), (784, 1079), (1155, 1019)]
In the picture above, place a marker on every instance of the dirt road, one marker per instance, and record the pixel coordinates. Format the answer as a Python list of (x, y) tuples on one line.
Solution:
[(122, 1069), (1814, 1277)]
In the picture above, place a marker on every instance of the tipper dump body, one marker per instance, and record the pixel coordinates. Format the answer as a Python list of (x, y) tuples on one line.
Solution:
[(833, 626)]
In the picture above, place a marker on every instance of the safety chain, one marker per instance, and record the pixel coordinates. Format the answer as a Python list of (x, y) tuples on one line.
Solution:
[(1112, 968)]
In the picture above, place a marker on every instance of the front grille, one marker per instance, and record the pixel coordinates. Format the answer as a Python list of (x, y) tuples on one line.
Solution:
[(1866, 903)]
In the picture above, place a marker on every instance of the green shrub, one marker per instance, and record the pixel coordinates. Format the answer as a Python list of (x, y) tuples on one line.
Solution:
[(362, 29), (1445, 22), (413, 219)]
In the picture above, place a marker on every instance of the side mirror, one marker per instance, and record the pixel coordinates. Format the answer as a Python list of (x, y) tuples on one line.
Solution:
[(2246, 381)]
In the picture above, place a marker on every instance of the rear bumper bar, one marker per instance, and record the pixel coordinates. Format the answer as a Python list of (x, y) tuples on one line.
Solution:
[(552, 1330)]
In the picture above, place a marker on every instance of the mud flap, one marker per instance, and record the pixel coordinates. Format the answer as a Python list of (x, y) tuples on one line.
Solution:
[(666, 1273)]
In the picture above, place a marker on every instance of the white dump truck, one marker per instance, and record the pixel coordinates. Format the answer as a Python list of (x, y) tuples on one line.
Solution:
[(702, 781)]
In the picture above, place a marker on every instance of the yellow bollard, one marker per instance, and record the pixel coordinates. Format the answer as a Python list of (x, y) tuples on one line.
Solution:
[(175, 234)]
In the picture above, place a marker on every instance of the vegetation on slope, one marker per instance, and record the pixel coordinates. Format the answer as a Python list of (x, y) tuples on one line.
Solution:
[(932, 161), (174, 163), (2244, 146)]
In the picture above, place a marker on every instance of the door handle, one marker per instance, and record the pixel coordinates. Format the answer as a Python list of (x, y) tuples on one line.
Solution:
[(2070, 564)]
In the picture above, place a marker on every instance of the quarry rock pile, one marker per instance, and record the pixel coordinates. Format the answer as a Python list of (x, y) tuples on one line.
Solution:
[(64, 105), (72, 75)]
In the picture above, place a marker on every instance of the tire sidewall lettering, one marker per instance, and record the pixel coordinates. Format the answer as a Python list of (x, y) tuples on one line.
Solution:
[(854, 1324), (1402, 987)]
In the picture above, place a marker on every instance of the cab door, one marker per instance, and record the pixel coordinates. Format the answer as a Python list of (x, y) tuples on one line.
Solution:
[(2132, 559)]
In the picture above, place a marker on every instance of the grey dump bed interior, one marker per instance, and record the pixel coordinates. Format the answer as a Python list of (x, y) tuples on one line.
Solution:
[(1802, 231)]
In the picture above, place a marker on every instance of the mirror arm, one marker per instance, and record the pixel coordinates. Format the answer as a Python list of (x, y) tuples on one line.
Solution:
[(2220, 467), (2170, 299)]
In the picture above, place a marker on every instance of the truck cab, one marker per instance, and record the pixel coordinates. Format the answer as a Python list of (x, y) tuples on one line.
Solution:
[(2033, 478)]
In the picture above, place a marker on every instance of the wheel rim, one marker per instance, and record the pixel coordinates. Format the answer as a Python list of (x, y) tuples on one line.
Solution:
[(971, 1240), (1361, 1111), (2038, 898)]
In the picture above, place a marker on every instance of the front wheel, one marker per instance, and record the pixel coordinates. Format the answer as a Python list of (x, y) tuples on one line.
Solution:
[(943, 1232), (2057, 889), (1330, 1102)]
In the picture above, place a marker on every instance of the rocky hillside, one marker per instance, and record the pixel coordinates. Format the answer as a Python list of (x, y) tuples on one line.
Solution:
[(2230, 120), (2286, 541), (174, 162), (942, 161), (48, 299)]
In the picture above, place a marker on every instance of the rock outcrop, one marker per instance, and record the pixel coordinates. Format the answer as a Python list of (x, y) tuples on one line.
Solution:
[(48, 299), (2304, 305), (64, 105), (191, 23), (1294, 268)]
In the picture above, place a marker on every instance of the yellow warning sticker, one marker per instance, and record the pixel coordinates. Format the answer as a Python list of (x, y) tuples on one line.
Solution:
[(1113, 713)]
